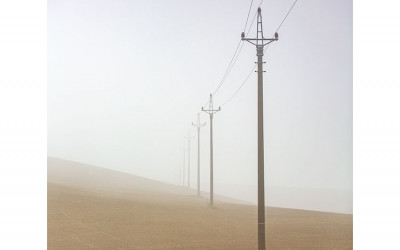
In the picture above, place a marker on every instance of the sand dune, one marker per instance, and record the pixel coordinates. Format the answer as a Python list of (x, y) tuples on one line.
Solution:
[(101, 179), (95, 208)]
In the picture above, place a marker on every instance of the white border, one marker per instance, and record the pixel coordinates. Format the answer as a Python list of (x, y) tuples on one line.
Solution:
[(23, 100), (376, 125)]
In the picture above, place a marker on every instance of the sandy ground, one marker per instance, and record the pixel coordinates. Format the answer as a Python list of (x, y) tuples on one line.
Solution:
[(94, 208)]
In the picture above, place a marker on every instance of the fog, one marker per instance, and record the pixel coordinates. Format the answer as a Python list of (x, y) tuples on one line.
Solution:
[(127, 78)]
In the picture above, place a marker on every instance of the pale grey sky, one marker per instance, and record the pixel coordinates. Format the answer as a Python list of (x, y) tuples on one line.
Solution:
[(127, 78)]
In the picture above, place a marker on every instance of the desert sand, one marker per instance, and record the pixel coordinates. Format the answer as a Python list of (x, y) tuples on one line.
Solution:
[(95, 208)]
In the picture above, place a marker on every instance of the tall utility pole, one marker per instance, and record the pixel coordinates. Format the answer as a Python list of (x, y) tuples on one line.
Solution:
[(260, 42), (189, 138), (198, 125), (211, 111)]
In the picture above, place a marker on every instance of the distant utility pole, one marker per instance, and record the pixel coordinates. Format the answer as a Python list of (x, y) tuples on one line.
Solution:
[(198, 125), (179, 175), (189, 137), (260, 42), (211, 111), (184, 162)]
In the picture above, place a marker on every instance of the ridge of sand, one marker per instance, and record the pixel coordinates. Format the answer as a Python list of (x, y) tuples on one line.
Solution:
[(90, 208), (75, 174)]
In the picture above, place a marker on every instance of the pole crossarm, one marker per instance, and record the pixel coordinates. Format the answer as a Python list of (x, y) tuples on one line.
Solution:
[(212, 111), (198, 124), (189, 137), (260, 36), (255, 39), (259, 39)]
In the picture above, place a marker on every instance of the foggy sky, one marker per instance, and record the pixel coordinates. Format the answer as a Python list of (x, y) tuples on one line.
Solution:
[(127, 78)]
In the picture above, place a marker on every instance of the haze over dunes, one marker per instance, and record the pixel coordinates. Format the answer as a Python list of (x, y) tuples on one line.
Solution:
[(90, 207)]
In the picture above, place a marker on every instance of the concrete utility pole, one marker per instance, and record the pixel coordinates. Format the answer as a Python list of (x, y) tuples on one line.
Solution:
[(198, 125), (179, 175), (211, 111), (189, 137), (184, 162), (260, 42)]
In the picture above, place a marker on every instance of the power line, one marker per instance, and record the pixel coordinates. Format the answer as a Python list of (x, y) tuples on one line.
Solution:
[(248, 16), (234, 61), (286, 16), (247, 78), (244, 82), (227, 70)]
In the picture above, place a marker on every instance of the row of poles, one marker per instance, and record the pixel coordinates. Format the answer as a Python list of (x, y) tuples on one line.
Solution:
[(211, 111), (259, 42)]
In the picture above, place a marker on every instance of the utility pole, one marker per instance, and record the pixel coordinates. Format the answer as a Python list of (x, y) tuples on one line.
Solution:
[(260, 42), (198, 125), (179, 175), (211, 111), (184, 162), (189, 138)]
